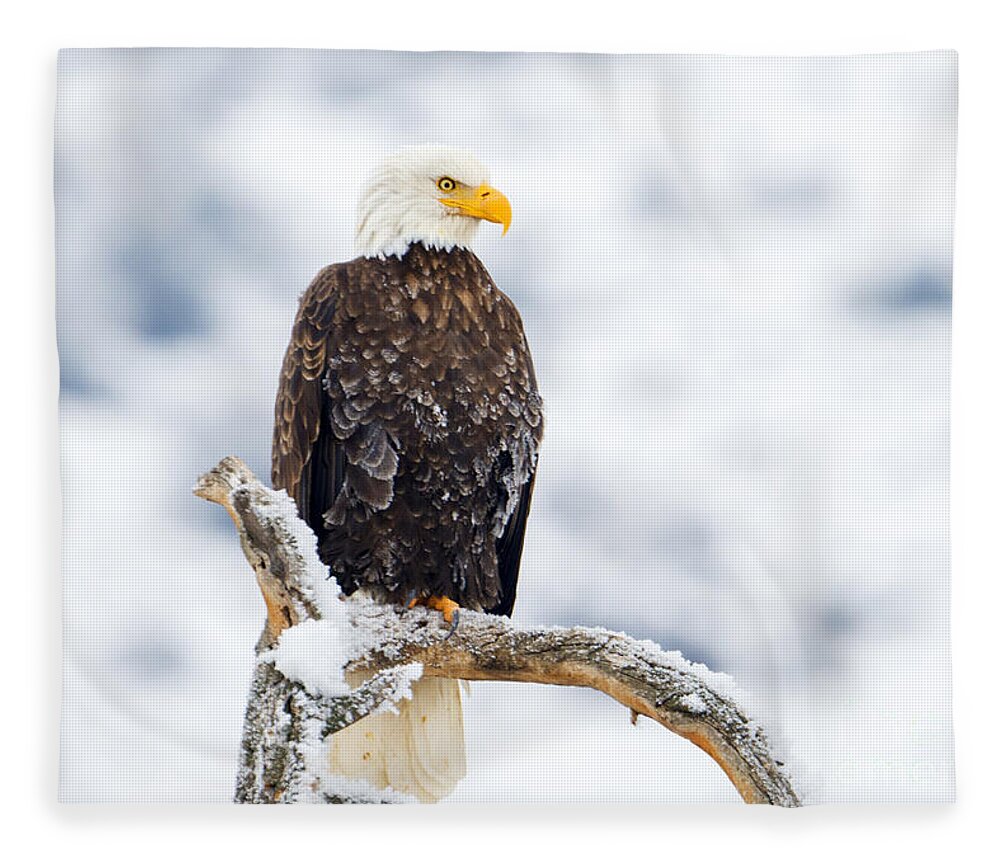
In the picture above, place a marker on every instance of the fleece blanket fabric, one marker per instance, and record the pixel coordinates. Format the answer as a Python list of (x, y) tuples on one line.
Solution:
[(734, 274)]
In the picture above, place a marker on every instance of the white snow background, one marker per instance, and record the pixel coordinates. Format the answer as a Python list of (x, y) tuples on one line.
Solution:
[(735, 279)]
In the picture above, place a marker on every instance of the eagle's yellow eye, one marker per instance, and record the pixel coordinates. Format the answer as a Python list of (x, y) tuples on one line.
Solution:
[(446, 183)]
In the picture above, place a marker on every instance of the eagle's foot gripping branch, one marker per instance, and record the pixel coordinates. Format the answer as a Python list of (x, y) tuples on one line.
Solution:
[(445, 605)]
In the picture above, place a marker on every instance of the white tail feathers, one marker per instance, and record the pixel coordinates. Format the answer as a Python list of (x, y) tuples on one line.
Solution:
[(420, 751)]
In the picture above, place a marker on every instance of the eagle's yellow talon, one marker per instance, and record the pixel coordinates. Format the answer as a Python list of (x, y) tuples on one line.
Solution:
[(444, 605)]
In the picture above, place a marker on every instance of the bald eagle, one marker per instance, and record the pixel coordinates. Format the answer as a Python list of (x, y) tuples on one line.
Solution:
[(407, 426)]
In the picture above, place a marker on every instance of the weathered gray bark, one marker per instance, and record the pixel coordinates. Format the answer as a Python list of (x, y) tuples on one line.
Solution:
[(285, 725)]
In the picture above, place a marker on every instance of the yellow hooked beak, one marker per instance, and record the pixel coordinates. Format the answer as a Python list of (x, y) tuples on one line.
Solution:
[(482, 202)]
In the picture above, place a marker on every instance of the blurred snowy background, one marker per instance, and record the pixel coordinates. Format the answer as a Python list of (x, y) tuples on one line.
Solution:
[(735, 275)]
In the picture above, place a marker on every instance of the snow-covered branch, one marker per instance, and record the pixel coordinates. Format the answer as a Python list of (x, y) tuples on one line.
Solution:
[(299, 695)]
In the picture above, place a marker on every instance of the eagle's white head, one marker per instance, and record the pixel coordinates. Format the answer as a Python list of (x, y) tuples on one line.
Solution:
[(432, 194)]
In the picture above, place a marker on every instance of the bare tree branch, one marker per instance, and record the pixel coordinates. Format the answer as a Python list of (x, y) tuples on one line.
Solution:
[(285, 723)]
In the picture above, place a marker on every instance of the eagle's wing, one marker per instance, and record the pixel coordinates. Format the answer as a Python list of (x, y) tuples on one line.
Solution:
[(305, 459), (330, 451), (509, 548), (511, 542)]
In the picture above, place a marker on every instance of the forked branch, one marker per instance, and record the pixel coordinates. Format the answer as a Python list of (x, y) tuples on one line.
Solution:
[(287, 718)]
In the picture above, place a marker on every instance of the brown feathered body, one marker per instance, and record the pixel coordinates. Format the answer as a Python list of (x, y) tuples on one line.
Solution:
[(407, 426)]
